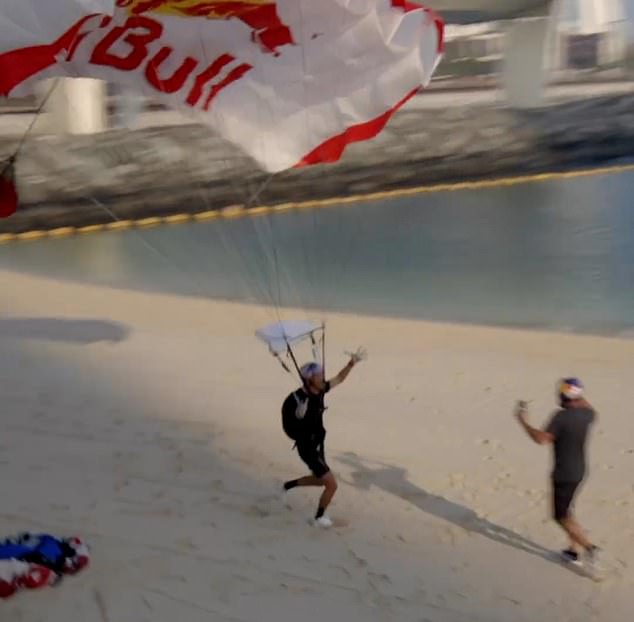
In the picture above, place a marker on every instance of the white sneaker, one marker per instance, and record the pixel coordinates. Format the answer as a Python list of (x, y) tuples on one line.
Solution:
[(323, 522), (591, 560)]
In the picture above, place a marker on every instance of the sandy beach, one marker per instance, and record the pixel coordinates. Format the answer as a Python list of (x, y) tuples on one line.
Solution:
[(149, 425)]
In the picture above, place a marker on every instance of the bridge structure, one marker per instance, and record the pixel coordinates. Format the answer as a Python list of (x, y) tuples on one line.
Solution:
[(78, 105), (532, 29)]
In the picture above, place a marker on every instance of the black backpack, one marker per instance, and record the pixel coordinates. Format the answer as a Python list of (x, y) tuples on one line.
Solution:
[(290, 423)]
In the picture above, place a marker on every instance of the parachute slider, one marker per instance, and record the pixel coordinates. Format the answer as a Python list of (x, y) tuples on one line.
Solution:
[(282, 335)]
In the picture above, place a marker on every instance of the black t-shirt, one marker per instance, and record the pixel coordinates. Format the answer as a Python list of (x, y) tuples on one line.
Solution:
[(570, 428), (310, 427)]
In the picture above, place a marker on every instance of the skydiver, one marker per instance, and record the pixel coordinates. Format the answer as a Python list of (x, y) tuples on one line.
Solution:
[(302, 419)]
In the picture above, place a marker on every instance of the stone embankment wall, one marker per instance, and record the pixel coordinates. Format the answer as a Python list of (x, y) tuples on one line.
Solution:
[(65, 181)]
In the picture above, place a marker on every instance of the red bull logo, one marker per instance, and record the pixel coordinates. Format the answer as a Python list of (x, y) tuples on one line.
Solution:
[(95, 41), (213, 9), (260, 15)]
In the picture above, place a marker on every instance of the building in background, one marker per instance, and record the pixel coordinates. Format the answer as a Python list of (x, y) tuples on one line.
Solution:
[(550, 41), (586, 35)]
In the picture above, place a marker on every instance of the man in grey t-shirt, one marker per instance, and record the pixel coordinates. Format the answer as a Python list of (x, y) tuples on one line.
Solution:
[(567, 431)]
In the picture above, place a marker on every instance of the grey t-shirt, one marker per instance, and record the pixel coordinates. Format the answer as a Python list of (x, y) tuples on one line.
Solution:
[(570, 428)]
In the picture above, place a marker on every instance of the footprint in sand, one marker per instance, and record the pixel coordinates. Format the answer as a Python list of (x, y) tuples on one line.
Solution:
[(491, 444), (380, 578), (449, 536), (362, 563), (457, 480), (257, 511), (146, 602), (342, 569)]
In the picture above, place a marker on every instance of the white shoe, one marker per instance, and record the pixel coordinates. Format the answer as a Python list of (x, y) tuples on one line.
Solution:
[(324, 522), (591, 560)]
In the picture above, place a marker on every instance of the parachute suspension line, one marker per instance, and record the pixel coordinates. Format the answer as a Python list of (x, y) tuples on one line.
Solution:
[(7, 167), (9, 194), (254, 281), (289, 351), (203, 192), (314, 345), (38, 111), (268, 247), (249, 202), (312, 251), (149, 246), (323, 347), (276, 267), (115, 218), (168, 261), (256, 195), (291, 355), (282, 363)]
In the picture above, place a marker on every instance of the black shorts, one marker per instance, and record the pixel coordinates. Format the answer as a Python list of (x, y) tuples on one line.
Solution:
[(314, 458), (563, 496)]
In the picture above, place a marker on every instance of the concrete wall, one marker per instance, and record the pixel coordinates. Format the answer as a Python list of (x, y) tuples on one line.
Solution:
[(184, 168)]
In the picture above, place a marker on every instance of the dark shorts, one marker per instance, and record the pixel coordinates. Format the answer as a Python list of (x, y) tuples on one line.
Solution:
[(314, 458), (563, 496)]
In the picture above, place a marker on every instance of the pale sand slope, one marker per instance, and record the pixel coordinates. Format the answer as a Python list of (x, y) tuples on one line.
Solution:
[(164, 449)]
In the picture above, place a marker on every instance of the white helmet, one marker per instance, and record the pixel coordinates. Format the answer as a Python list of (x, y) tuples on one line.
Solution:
[(309, 370)]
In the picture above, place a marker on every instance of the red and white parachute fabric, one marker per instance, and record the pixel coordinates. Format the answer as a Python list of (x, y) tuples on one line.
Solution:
[(8, 191), (32, 562), (16, 575), (290, 82)]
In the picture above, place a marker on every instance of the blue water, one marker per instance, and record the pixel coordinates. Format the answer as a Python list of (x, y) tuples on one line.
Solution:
[(556, 255)]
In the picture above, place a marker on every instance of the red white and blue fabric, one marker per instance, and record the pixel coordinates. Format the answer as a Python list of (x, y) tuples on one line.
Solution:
[(31, 561)]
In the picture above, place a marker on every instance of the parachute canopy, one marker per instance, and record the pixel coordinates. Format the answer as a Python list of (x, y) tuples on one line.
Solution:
[(290, 82)]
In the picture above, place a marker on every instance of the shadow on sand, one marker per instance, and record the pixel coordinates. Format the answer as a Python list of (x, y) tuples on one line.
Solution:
[(393, 479), (64, 330)]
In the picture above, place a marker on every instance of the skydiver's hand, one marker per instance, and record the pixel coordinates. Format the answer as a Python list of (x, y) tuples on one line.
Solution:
[(358, 356)]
